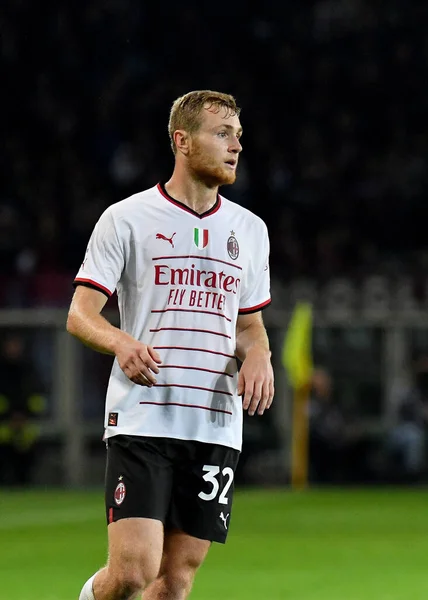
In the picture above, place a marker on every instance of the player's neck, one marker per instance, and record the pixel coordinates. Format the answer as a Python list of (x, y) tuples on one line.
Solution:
[(193, 194)]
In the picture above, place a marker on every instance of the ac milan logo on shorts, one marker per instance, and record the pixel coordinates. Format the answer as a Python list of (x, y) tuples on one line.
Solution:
[(233, 246), (120, 493)]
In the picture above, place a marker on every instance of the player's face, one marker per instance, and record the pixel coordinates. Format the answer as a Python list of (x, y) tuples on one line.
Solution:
[(215, 147)]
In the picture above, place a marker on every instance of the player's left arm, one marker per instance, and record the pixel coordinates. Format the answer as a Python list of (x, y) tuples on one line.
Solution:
[(255, 380)]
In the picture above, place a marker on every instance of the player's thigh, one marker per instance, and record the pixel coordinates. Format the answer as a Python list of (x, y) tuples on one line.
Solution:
[(182, 555), (139, 479), (135, 550), (203, 493)]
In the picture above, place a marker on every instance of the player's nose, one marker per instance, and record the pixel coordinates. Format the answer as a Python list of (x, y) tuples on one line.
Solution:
[(236, 146)]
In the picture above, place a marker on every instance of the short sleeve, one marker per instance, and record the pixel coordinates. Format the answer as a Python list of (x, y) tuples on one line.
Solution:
[(255, 291), (104, 259)]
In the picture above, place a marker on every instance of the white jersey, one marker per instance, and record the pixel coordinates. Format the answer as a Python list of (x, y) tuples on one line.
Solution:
[(181, 280)]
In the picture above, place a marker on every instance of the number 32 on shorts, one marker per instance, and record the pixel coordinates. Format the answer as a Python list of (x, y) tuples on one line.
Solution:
[(211, 474)]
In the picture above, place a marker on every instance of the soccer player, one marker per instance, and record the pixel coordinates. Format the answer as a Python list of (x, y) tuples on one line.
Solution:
[(191, 273)]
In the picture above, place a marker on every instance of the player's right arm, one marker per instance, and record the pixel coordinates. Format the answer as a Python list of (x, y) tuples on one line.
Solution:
[(96, 280), (137, 360)]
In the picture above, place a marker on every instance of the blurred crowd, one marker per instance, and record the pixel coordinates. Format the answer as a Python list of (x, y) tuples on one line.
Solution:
[(22, 401), (335, 104), (344, 449)]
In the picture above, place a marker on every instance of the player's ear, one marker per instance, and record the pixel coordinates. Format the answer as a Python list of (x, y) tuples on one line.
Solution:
[(181, 139)]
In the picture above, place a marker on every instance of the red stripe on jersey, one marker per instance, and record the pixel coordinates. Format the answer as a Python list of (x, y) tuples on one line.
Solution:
[(191, 387), (194, 369), (224, 262), (254, 308), (94, 283), (193, 350), (219, 410), (190, 310), (186, 329), (110, 515), (179, 204)]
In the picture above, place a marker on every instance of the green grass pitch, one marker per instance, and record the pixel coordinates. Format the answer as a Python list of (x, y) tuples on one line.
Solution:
[(316, 545)]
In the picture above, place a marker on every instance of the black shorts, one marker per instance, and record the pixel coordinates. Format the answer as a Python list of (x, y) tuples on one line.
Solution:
[(187, 485)]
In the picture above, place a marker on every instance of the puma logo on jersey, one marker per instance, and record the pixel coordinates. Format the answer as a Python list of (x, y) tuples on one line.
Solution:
[(161, 236), (224, 518)]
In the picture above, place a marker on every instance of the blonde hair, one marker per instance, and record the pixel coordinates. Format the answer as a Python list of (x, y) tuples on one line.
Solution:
[(186, 110)]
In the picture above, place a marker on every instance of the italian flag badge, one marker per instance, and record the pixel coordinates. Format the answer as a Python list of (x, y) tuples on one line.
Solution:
[(200, 237)]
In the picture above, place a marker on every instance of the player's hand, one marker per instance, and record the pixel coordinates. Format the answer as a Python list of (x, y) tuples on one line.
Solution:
[(255, 381), (139, 362)]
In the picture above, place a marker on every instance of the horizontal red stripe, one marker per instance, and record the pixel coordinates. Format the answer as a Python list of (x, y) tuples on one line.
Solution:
[(198, 257), (193, 350), (194, 330), (192, 387), (219, 410), (95, 283), (190, 310), (194, 369), (254, 308)]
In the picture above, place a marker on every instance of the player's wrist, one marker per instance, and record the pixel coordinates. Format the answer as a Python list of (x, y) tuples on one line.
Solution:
[(259, 351), (118, 341)]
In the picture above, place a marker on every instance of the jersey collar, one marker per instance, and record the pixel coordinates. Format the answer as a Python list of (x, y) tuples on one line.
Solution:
[(211, 211)]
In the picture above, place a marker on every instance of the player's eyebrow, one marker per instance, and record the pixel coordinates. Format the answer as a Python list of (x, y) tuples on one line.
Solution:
[(230, 128)]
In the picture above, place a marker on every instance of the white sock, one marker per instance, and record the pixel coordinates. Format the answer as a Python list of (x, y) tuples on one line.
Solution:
[(87, 592)]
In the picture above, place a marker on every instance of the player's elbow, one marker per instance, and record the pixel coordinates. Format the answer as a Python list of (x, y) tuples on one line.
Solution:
[(72, 324)]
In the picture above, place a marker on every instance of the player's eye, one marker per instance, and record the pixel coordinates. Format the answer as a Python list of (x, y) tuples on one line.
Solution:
[(222, 134)]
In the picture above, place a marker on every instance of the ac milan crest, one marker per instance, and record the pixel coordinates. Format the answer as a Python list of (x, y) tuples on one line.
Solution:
[(120, 493), (233, 246)]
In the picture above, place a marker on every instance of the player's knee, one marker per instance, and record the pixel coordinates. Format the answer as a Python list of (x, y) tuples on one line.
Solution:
[(178, 583), (181, 578), (129, 582)]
